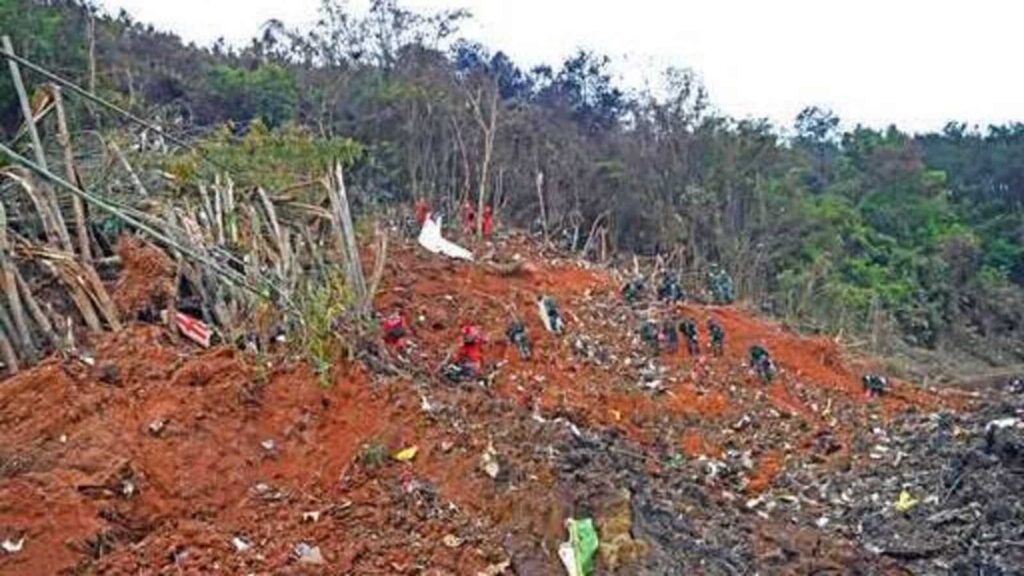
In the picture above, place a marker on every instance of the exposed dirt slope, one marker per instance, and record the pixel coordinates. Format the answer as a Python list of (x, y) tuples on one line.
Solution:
[(157, 457)]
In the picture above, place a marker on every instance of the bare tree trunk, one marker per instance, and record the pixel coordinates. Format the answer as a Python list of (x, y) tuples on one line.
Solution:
[(488, 128), (543, 208), (464, 156), (82, 232)]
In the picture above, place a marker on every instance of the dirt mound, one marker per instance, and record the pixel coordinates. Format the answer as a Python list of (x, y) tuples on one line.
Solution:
[(146, 278), (163, 457)]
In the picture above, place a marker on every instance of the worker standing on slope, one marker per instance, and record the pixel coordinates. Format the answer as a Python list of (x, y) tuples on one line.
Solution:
[(488, 222), (762, 363), (689, 330), (632, 290), (468, 218), (670, 290), (670, 335), (717, 334), (468, 360), (516, 334), (874, 385), (649, 335), (549, 315), (421, 211)]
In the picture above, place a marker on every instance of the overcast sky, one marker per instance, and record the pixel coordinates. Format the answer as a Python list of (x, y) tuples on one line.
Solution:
[(916, 63)]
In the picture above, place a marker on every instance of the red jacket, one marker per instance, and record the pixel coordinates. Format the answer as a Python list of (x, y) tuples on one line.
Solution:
[(422, 210), (488, 223), (468, 217), (471, 352)]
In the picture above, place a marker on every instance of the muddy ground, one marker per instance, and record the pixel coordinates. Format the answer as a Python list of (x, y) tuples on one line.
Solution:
[(165, 458)]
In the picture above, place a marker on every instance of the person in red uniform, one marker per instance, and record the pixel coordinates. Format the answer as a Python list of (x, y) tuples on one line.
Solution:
[(469, 358), (422, 210), (395, 330), (468, 218), (488, 223)]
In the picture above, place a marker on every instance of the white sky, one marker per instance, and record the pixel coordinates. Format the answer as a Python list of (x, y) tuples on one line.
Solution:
[(916, 63)]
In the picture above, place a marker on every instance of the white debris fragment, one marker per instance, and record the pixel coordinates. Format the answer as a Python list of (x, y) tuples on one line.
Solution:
[(489, 462), (431, 239), (268, 445), (11, 547), (313, 516), (307, 554), (241, 546)]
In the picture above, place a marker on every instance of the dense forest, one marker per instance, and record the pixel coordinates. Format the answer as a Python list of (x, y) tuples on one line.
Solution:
[(899, 242)]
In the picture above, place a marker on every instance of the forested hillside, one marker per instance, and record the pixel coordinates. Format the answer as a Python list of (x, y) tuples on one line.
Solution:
[(895, 241)]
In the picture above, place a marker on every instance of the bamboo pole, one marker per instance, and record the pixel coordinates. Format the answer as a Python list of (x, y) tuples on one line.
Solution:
[(36, 310), (26, 107), (347, 237), (81, 229), (37, 144), (21, 324), (136, 181), (7, 354)]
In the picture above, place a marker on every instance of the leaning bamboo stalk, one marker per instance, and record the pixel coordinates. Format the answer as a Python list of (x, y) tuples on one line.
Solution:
[(40, 317), (10, 285), (136, 181), (64, 137), (26, 108), (98, 292), (346, 236), (39, 202), (7, 354), (77, 295), (379, 263)]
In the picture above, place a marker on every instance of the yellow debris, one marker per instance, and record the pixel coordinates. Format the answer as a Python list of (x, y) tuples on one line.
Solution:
[(905, 502), (406, 454)]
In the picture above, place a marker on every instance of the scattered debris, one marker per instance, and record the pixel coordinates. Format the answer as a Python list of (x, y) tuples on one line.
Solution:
[(11, 546), (193, 329), (577, 553), (240, 544), (406, 454), (306, 554), (431, 239), (489, 462), (452, 541)]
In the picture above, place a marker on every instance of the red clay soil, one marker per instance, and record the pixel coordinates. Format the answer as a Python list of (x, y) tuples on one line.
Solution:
[(146, 277), (154, 459)]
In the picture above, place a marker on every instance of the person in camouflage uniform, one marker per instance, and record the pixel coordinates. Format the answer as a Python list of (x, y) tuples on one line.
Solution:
[(649, 334), (689, 329), (721, 287), (874, 385), (717, 334), (516, 334), (761, 362), (670, 336), (632, 290), (669, 290)]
